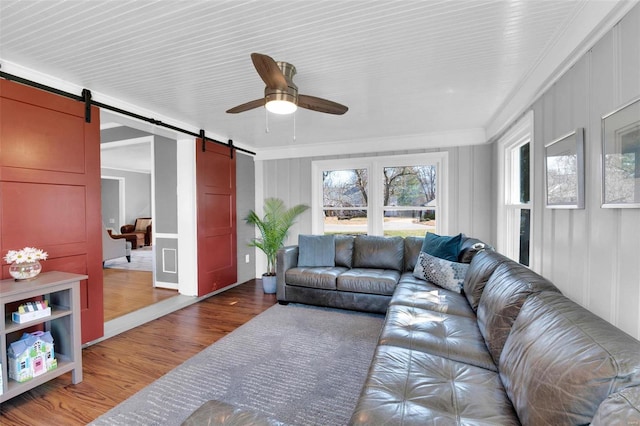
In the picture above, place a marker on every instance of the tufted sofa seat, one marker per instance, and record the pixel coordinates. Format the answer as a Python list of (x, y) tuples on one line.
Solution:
[(509, 350)]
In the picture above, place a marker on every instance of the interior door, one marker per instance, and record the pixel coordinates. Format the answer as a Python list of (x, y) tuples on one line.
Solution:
[(50, 188), (216, 211)]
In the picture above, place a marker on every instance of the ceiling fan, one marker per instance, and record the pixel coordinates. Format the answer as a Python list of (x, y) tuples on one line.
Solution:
[(281, 94)]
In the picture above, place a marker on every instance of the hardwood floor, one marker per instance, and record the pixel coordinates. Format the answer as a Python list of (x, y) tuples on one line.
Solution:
[(118, 367), (127, 291)]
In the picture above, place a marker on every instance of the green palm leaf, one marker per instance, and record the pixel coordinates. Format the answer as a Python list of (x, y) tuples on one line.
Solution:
[(273, 227)]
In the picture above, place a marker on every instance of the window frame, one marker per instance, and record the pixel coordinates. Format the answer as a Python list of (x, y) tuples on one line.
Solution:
[(509, 204), (375, 167)]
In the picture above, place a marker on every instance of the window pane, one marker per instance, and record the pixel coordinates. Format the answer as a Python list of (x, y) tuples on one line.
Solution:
[(525, 231), (524, 174), (409, 186), (409, 222), (345, 221), (345, 188), (344, 196)]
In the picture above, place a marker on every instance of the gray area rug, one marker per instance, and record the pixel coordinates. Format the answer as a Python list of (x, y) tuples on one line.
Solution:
[(141, 260), (298, 364)]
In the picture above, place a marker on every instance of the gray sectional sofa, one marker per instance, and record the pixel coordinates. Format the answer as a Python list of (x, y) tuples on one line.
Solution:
[(509, 349), (364, 276)]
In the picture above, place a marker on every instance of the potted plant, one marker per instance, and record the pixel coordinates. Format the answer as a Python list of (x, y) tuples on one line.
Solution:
[(274, 227)]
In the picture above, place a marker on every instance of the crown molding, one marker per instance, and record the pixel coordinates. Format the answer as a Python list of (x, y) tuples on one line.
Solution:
[(463, 137)]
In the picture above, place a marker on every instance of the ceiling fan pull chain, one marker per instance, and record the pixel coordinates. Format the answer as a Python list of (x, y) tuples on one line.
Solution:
[(294, 126), (266, 121)]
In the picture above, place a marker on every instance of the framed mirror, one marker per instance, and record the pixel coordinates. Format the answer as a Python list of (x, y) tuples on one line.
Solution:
[(621, 157), (564, 167)]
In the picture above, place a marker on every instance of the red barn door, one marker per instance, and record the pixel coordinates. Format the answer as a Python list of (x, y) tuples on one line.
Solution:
[(216, 207), (50, 188)]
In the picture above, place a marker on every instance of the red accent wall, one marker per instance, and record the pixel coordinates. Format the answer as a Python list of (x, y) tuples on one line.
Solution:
[(216, 207), (50, 188)]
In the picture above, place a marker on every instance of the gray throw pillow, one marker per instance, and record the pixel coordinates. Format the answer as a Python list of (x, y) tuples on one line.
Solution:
[(316, 250), (441, 272)]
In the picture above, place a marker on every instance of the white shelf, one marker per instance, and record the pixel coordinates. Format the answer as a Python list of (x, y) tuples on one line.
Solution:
[(62, 290)]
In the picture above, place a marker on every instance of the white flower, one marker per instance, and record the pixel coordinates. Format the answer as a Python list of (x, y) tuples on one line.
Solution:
[(26, 255)]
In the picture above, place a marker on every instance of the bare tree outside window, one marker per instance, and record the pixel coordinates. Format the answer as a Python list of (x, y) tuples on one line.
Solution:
[(345, 201), (409, 200)]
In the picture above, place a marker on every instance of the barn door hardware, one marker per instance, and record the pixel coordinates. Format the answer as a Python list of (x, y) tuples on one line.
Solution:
[(86, 97)]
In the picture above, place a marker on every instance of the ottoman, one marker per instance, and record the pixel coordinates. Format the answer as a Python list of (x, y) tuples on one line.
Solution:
[(220, 413)]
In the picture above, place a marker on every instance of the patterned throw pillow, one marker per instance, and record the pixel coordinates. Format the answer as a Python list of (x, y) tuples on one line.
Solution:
[(441, 272)]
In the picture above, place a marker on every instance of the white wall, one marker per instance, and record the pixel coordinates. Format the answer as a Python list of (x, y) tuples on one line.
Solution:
[(592, 254), (137, 193)]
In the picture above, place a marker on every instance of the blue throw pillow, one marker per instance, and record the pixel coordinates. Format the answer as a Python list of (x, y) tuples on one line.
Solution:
[(316, 250), (442, 246)]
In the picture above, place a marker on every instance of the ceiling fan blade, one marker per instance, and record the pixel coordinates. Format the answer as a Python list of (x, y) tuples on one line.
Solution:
[(321, 105), (247, 106), (269, 71)]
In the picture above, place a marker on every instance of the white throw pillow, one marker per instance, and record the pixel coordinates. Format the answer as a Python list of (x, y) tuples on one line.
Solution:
[(441, 272)]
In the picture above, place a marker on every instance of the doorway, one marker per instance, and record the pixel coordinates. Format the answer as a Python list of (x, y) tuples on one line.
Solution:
[(128, 193)]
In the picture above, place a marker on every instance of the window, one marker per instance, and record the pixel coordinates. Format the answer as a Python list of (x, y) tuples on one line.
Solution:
[(519, 202), (379, 195), (515, 235), (409, 200), (345, 201)]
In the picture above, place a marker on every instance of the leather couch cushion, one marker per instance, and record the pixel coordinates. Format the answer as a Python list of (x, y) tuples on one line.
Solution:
[(503, 296), (561, 361), (373, 281), (319, 277), (417, 293), (623, 406), (467, 249), (141, 224), (412, 247), (344, 250), (408, 387), (484, 263), (222, 414), (378, 252), (450, 336)]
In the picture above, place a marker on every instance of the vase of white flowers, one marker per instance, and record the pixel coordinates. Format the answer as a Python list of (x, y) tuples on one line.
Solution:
[(25, 263)]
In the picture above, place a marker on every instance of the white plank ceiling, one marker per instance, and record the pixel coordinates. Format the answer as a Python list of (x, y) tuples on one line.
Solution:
[(404, 68)]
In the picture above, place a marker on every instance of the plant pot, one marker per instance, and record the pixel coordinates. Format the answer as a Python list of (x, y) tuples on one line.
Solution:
[(269, 284)]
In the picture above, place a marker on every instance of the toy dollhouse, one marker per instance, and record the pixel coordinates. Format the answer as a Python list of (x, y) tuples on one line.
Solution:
[(31, 356)]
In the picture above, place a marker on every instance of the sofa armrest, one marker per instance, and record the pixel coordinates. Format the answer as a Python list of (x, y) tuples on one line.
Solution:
[(287, 259), (126, 229)]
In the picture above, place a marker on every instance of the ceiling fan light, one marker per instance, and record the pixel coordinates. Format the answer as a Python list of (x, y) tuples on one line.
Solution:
[(281, 107)]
